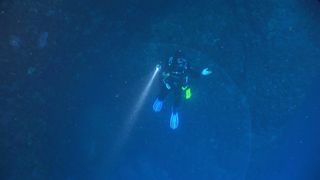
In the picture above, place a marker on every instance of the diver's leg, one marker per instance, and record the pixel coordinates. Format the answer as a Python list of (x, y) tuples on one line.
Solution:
[(174, 120), (177, 99), (163, 92)]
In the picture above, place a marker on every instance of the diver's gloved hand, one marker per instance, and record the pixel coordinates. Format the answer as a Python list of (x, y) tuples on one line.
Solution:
[(184, 87), (206, 72), (168, 86), (158, 67)]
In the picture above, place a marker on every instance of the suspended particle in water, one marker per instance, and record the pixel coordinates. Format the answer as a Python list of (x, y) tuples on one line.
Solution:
[(50, 13), (15, 41), (43, 40), (31, 70)]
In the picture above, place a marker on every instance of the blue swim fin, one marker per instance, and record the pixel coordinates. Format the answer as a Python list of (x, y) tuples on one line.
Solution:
[(174, 120), (157, 105)]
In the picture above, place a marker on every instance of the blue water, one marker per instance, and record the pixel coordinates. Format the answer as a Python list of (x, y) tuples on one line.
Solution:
[(72, 72)]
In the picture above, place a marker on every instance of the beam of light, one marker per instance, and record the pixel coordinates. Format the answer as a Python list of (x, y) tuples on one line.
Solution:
[(132, 119)]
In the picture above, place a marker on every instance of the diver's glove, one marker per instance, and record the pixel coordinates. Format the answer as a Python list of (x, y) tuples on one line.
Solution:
[(158, 67), (184, 87), (168, 86), (206, 72)]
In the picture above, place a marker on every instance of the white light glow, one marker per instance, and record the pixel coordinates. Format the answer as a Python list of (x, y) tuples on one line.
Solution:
[(132, 119)]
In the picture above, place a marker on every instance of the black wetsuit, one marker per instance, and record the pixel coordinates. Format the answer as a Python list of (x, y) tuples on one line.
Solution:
[(175, 75)]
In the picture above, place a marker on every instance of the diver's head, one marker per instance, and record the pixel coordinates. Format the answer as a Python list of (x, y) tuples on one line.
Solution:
[(179, 60), (178, 57), (178, 54)]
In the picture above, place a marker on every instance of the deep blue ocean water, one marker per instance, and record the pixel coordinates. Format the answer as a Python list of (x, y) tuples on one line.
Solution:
[(72, 74)]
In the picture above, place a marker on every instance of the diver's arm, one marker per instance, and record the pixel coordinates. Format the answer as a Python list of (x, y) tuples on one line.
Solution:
[(193, 73), (165, 68)]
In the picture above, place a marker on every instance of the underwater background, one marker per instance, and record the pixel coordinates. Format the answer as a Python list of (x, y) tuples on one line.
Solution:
[(72, 71)]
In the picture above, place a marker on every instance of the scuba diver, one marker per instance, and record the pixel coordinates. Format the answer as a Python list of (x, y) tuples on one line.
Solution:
[(175, 76)]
